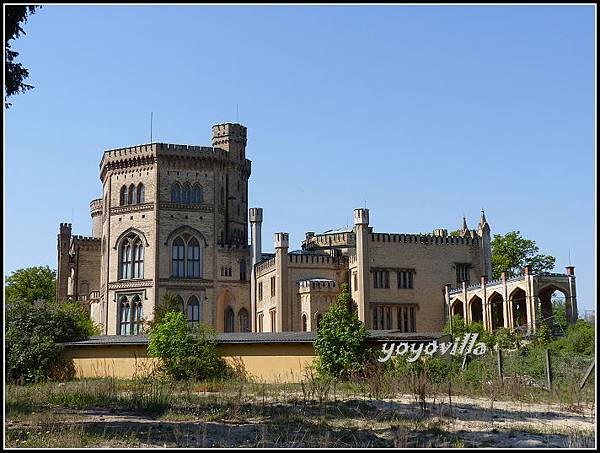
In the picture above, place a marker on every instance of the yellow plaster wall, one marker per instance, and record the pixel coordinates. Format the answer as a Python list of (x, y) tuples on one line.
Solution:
[(263, 362)]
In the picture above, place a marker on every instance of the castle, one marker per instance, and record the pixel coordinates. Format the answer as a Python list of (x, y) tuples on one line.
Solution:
[(173, 220)]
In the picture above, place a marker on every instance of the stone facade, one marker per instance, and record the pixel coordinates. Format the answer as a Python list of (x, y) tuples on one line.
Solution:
[(173, 219)]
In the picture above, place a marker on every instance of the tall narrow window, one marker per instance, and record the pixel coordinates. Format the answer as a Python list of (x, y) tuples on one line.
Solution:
[(126, 259), (304, 323), (193, 258), (180, 304), (272, 286), (132, 198), (243, 270), (405, 309), (125, 309), (229, 320), (197, 195), (260, 291), (123, 196), (193, 311), (136, 319), (260, 322), (178, 257), (318, 320), (138, 259), (176, 193), (244, 320), (186, 194), (273, 315), (140, 193), (413, 320)]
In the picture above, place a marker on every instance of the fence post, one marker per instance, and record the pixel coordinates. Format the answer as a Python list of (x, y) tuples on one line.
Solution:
[(499, 353), (588, 373), (548, 371)]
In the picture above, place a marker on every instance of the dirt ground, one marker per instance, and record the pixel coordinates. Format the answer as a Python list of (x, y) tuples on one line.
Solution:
[(356, 422)]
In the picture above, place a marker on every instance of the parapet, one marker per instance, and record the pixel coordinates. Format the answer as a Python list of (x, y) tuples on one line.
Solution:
[(96, 207), (228, 132), (361, 216), (255, 215), (282, 240)]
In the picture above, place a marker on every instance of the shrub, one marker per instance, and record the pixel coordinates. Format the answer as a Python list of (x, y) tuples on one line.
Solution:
[(505, 339), (186, 352), (33, 333), (341, 343)]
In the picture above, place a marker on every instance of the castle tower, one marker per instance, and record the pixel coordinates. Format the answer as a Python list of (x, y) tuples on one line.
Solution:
[(232, 189), (62, 279), (281, 282), (256, 217), (96, 213), (361, 221), (483, 231)]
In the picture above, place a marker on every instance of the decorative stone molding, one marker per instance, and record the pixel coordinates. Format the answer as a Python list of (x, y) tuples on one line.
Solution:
[(129, 284)]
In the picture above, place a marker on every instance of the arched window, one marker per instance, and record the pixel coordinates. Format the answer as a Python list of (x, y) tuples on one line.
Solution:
[(123, 196), (244, 320), (197, 195), (138, 259), (176, 193), (126, 259), (193, 311), (131, 253), (136, 318), (178, 258), (140, 193), (180, 304), (243, 270), (193, 258), (125, 310), (229, 320), (318, 319), (132, 198), (304, 323), (186, 194)]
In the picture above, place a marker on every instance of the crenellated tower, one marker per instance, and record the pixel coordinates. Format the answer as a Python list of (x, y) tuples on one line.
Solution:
[(64, 270), (361, 222), (281, 282), (256, 217), (483, 231)]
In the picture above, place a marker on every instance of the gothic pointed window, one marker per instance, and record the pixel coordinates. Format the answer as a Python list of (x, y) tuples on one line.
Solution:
[(193, 258), (186, 194), (180, 304), (197, 195), (123, 196), (138, 259), (131, 196), (304, 323), (244, 320), (176, 193), (125, 316), (193, 311), (136, 315), (126, 259), (140, 193), (229, 320), (178, 258)]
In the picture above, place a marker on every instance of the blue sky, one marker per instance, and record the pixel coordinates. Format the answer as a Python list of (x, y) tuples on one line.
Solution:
[(424, 113)]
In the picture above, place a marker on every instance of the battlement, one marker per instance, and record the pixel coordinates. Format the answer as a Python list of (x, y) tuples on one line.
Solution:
[(317, 284), (65, 226), (335, 238), (96, 207), (228, 132), (425, 239), (255, 215), (282, 240), (264, 266), (361, 216), (317, 259)]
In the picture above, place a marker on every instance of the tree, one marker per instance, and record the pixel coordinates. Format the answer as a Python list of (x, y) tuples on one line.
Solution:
[(186, 352), (31, 284), (33, 337), (511, 252), (15, 73), (341, 343)]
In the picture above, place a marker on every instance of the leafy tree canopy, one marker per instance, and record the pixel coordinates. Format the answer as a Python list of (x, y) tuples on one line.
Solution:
[(341, 343), (31, 284), (15, 73), (511, 252)]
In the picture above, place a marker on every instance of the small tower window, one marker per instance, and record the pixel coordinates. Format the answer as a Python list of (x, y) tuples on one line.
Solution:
[(176, 193)]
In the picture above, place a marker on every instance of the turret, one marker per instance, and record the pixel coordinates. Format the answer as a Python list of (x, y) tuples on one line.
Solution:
[(230, 137), (361, 222), (255, 217), (483, 231), (96, 213), (63, 245), (464, 230), (281, 282)]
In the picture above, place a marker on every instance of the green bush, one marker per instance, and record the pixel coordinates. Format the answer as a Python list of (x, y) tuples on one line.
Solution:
[(33, 335), (341, 343), (186, 352)]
